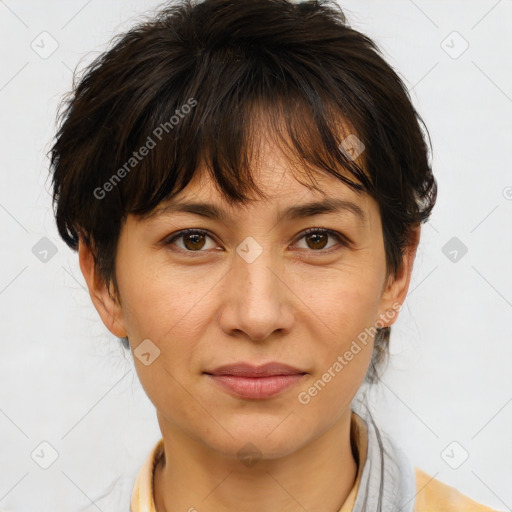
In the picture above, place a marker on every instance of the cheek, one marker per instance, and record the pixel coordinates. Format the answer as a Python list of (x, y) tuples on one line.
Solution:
[(341, 363), (345, 301), (165, 308), (328, 395), (171, 309), (158, 302), (346, 307)]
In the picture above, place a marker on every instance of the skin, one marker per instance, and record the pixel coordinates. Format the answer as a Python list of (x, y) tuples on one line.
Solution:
[(297, 302)]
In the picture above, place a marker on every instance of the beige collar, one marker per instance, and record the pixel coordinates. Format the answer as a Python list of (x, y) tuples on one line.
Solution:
[(142, 499)]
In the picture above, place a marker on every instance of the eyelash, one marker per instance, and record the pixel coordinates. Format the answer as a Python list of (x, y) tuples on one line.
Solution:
[(345, 242)]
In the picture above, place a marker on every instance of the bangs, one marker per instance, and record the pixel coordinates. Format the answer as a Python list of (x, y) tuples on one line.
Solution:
[(199, 86), (221, 132)]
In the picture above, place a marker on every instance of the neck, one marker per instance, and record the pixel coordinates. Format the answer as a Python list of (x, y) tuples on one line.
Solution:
[(319, 476)]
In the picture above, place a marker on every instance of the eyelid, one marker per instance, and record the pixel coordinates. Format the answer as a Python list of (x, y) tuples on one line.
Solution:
[(342, 239), (189, 231)]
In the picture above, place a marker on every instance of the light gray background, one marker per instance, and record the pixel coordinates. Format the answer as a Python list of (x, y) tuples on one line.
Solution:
[(63, 376)]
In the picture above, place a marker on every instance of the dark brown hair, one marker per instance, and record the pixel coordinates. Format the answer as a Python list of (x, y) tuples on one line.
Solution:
[(188, 86)]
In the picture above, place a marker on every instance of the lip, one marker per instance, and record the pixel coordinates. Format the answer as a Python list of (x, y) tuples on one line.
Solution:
[(248, 370), (256, 382)]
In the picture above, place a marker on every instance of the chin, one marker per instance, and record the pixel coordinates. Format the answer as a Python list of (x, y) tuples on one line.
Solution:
[(249, 450), (259, 439)]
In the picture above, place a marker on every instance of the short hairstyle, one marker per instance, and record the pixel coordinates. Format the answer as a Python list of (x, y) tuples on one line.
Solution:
[(189, 86)]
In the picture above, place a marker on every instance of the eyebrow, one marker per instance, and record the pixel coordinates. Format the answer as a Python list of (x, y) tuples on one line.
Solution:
[(211, 211)]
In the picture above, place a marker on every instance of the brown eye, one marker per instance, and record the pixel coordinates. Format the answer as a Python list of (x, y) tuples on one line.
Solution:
[(194, 240), (317, 239)]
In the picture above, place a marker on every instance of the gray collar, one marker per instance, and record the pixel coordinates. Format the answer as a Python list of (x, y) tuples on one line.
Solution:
[(388, 482)]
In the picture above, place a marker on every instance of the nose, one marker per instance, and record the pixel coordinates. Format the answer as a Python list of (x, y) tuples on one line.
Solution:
[(256, 297)]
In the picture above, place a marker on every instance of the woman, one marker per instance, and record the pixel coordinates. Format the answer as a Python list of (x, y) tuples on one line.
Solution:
[(245, 183)]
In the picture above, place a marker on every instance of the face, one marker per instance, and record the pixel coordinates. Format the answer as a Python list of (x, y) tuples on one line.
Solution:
[(253, 286)]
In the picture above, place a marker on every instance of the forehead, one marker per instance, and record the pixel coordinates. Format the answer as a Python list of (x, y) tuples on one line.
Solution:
[(290, 187), (285, 195)]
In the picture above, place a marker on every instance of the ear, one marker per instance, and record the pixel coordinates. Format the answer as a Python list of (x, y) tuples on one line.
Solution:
[(108, 308), (397, 285)]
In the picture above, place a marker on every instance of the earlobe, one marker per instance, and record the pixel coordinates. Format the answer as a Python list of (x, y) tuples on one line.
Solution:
[(397, 285), (108, 308)]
